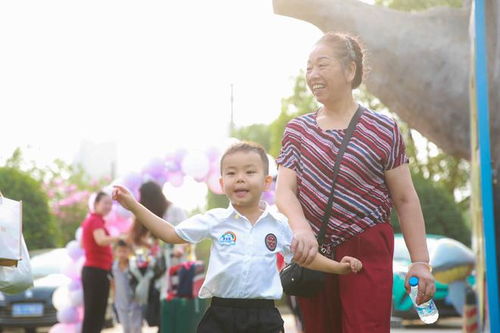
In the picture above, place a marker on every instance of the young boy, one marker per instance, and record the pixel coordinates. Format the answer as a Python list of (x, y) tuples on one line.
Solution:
[(129, 311), (242, 277)]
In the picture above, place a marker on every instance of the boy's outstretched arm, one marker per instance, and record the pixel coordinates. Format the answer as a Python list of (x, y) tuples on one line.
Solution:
[(345, 266), (158, 227)]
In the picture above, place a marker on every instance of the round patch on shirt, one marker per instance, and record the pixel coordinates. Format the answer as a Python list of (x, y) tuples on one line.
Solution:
[(271, 242)]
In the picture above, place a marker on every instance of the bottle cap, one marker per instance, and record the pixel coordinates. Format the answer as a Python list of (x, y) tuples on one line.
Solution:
[(413, 281)]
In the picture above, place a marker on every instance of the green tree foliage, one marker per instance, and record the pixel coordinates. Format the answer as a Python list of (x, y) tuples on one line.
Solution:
[(216, 200), (299, 103), (418, 5), (39, 227), (259, 133), (441, 214), (67, 188)]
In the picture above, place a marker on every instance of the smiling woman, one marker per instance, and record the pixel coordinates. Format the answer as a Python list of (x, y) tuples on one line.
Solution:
[(373, 175)]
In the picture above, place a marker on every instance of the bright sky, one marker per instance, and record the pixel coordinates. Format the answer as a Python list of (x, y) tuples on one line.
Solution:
[(151, 76)]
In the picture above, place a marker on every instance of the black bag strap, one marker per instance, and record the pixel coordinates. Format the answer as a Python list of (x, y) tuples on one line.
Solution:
[(336, 168)]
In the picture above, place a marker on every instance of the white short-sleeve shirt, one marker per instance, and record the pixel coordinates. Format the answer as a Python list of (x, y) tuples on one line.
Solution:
[(243, 256)]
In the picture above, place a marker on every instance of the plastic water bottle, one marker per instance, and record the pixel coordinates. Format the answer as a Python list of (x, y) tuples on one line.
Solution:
[(427, 311)]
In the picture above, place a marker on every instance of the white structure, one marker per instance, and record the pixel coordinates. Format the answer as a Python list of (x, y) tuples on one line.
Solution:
[(97, 159)]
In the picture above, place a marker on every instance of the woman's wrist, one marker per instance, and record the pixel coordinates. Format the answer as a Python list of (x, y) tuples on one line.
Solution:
[(422, 263)]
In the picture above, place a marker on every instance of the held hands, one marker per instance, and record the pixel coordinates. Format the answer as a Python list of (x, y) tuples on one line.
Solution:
[(426, 286), (350, 265), (124, 197), (304, 247)]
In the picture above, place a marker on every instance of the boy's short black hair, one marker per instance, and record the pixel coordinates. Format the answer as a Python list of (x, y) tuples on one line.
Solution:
[(247, 146)]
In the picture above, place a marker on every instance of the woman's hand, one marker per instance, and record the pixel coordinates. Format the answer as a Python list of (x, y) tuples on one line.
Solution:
[(350, 265), (124, 197), (304, 247), (426, 285)]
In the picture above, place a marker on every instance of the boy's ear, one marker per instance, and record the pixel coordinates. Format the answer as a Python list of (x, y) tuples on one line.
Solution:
[(221, 182), (267, 182)]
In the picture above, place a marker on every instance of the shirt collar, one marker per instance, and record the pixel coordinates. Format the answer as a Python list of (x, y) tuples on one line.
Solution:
[(231, 211)]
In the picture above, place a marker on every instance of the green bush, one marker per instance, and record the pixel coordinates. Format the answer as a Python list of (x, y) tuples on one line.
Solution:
[(442, 215), (39, 228)]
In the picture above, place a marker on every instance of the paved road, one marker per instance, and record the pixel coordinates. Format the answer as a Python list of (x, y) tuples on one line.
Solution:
[(445, 326)]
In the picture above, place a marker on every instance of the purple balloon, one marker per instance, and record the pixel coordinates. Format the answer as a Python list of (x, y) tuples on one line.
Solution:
[(76, 298), (268, 197), (179, 155), (75, 284), (68, 315), (132, 181), (156, 170), (74, 250)]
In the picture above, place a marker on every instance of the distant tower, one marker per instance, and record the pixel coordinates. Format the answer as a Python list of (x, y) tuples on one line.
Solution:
[(231, 124)]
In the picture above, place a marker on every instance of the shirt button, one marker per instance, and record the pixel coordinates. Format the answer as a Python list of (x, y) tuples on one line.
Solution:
[(236, 216)]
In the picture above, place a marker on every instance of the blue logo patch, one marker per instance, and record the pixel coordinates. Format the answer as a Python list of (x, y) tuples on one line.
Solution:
[(228, 238)]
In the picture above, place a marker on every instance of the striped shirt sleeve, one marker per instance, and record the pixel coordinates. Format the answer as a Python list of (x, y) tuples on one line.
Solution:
[(397, 155), (290, 148)]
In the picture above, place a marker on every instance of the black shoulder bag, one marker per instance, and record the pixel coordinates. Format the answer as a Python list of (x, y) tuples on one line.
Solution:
[(295, 279)]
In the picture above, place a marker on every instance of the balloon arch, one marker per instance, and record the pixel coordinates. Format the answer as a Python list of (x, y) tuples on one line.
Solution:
[(174, 168)]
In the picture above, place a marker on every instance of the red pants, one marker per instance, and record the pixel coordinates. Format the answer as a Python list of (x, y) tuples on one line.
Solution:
[(356, 303)]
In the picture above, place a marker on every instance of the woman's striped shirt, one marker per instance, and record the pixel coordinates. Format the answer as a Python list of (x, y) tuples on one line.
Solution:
[(361, 198)]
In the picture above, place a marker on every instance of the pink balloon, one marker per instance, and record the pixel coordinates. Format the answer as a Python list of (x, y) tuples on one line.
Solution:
[(81, 312), (113, 231), (117, 223), (176, 179), (215, 167), (71, 270), (213, 183), (59, 328)]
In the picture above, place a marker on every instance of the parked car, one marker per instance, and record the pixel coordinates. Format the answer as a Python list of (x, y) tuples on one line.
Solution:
[(402, 306), (33, 308)]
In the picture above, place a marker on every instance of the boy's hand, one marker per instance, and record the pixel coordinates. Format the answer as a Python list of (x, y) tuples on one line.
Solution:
[(351, 265), (123, 196)]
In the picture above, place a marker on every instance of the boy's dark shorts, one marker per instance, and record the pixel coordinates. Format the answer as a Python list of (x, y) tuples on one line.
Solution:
[(230, 315)]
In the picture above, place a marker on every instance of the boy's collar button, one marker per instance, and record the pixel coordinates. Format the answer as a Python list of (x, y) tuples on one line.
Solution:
[(236, 216)]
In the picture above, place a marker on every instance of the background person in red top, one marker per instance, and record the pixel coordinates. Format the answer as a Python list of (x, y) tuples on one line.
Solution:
[(97, 245), (373, 176)]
